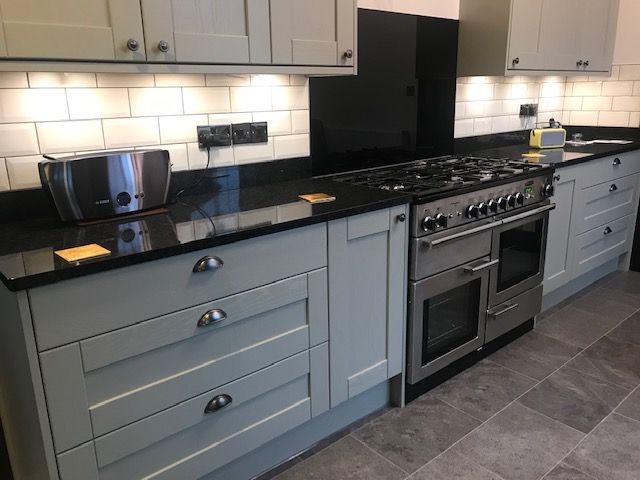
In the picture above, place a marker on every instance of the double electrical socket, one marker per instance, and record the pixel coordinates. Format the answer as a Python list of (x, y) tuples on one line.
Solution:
[(234, 134), (528, 109)]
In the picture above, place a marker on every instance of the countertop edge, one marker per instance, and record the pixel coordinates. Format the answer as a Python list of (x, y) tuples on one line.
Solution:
[(617, 150), (47, 278)]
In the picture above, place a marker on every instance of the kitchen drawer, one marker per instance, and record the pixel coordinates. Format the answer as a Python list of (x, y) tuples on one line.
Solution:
[(606, 202), (610, 168), (512, 313), (103, 383), (602, 244), (80, 308), (187, 442)]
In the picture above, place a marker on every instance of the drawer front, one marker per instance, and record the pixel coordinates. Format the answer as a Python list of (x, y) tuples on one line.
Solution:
[(604, 243), (80, 308), (124, 376), (610, 168), (513, 313), (606, 202), (186, 441)]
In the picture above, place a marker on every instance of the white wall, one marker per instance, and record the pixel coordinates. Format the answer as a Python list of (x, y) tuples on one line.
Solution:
[(627, 49), (430, 8)]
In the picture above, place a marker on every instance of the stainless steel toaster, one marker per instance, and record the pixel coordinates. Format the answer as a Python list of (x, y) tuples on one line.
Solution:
[(96, 186)]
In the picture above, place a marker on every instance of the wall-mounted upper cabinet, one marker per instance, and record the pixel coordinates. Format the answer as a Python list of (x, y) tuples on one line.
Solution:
[(226, 36), (71, 30), (313, 32), (536, 37)]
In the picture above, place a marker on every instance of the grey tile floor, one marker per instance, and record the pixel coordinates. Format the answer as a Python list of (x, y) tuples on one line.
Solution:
[(560, 403)]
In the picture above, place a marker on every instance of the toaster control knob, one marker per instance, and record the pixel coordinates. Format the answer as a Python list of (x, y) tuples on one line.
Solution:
[(123, 199), (502, 203), (519, 198), (493, 205), (511, 200), (428, 224), (484, 208), (473, 212), (441, 220)]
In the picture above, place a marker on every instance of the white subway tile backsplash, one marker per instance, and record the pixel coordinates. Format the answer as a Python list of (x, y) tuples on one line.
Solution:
[(231, 80), (290, 98), (229, 118), (629, 72), (617, 88), (255, 152), (130, 132), (177, 155), (587, 89), (552, 90), (4, 176), (206, 100), (550, 104), (572, 103), (181, 128), (463, 128), (18, 139), (300, 80), (32, 105), (634, 120), (613, 119), (597, 103), (58, 137), (505, 124), (290, 146), (269, 80), (219, 157), (56, 79), (628, 104), (125, 80), (179, 80), (299, 121), (589, 119), (636, 88), (13, 80), (481, 126), (23, 172), (88, 103), (278, 123), (147, 102), (251, 99)]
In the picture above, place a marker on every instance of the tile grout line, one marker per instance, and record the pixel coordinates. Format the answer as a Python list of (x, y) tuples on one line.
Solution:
[(534, 386), (459, 410), (379, 454), (511, 370)]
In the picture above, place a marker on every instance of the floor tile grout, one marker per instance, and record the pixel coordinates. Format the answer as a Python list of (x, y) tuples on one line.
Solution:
[(380, 455), (460, 410), (517, 401), (512, 370)]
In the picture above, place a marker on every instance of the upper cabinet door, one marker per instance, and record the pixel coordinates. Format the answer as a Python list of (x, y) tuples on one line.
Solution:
[(71, 30), (313, 32), (543, 36), (207, 31), (597, 34)]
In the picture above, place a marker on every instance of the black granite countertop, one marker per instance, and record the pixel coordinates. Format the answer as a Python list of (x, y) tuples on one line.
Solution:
[(514, 144), (27, 247)]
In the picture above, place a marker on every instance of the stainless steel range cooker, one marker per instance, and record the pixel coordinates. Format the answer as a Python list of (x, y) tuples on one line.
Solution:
[(478, 238)]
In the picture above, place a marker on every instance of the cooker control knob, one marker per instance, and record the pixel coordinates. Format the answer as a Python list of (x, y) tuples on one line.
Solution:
[(441, 220), (502, 203), (548, 190), (519, 198), (484, 208), (428, 224), (473, 212), (511, 200), (493, 205)]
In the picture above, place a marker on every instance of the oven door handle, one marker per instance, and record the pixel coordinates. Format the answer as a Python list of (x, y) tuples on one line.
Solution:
[(507, 308), (528, 214), (466, 233), (471, 268)]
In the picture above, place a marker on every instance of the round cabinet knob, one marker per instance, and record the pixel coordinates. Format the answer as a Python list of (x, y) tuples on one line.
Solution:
[(348, 54), (617, 162), (428, 224), (548, 190), (473, 212), (493, 206), (511, 200), (133, 44), (484, 208), (502, 203), (579, 63), (441, 220), (519, 198), (586, 63), (163, 46)]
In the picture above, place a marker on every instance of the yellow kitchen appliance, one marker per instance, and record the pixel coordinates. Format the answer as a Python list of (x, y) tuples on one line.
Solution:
[(553, 136)]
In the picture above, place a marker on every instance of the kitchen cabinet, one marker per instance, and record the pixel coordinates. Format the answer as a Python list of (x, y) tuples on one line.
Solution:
[(367, 294), (211, 31), (594, 220), (313, 32), (513, 37), (71, 30), (181, 376)]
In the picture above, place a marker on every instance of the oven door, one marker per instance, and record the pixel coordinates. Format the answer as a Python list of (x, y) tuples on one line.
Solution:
[(447, 317), (520, 245)]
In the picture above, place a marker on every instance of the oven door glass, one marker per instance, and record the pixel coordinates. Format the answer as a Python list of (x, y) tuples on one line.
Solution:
[(520, 252), (450, 320)]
